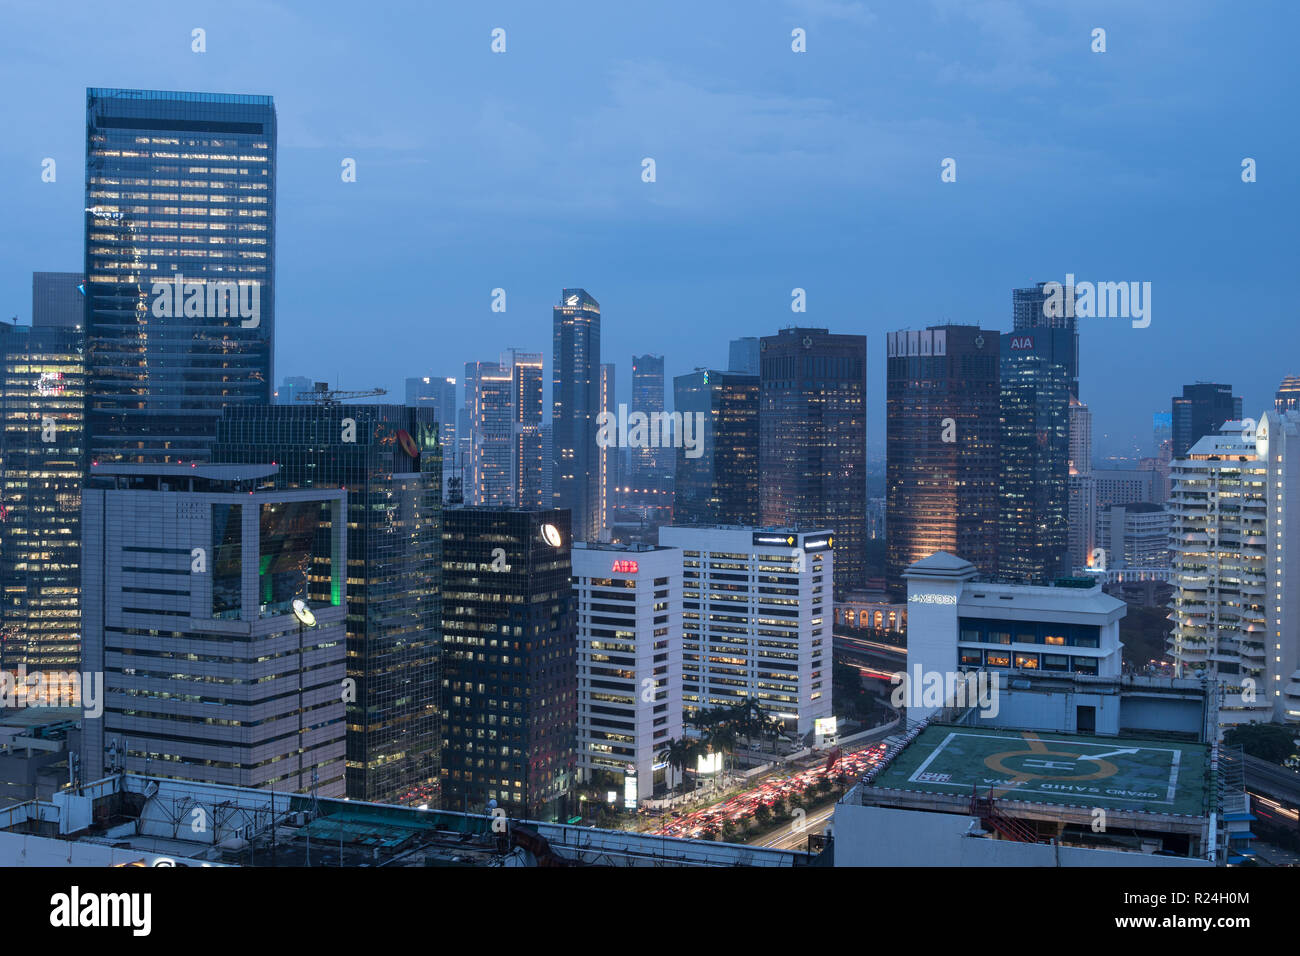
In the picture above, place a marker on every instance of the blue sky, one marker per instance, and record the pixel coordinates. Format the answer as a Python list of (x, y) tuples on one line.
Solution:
[(775, 170)]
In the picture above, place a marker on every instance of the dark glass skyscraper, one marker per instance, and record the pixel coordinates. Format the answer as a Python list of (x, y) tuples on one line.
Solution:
[(813, 441), (1201, 411), (1030, 310), (1033, 523), (179, 266), (649, 465), (942, 447), (575, 403), (510, 672), (388, 459), (42, 447), (721, 485)]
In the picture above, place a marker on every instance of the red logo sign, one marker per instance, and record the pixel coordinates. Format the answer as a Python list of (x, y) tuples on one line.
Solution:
[(626, 567), (408, 444)]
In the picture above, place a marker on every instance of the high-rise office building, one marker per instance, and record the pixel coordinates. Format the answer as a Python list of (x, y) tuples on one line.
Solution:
[(1220, 540), (213, 604), (1162, 434), (1201, 410), (942, 447), (610, 459), (439, 394), (1082, 488), (57, 299), (757, 613), (42, 464), (291, 387), (179, 266), (1288, 395), (812, 445), (575, 404), (503, 403), (1036, 308), (743, 355), (649, 464), (510, 679), (526, 462), (719, 485), (1277, 442), (1033, 524), (629, 665), (548, 456), (1135, 536), (388, 459)]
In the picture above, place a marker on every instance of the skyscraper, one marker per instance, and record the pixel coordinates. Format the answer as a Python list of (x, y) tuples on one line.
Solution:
[(575, 403), (941, 447), (488, 411), (812, 446), (1201, 411), (57, 299), (1222, 539), (611, 459), (440, 394), (42, 450), (388, 459), (1082, 488), (720, 484), (179, 266), (1034, 308), (1288, 395), (1033, 521), (648, 464), (291, 387), (510, 673), (214, 669), (743, 354), (526, 463)]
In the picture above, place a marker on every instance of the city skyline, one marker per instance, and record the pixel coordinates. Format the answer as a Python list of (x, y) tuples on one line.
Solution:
[(711, 264)]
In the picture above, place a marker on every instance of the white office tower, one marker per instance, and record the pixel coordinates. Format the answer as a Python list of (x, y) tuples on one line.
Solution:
[(1029, 638), (1277, 440), (629, 664), (756, 608), (1234, 604)]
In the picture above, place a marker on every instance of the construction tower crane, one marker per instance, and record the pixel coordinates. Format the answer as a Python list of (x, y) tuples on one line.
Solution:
[(322, 394)]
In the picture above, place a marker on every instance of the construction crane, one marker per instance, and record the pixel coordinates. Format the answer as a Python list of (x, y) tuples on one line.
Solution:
[(322, 394)]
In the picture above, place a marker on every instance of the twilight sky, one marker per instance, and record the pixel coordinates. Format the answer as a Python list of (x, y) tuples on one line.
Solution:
[(775, 170)]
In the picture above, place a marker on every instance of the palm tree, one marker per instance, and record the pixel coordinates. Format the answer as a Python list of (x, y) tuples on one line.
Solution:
[(679, 754), (721, 740)]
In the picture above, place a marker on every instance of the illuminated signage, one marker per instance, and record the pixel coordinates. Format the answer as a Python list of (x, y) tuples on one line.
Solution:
[(1022, 343), (50, 383), (825, 726), (784, 540), (408, 444), (551, 535), (932, 599), (626, 567), (818, 544)]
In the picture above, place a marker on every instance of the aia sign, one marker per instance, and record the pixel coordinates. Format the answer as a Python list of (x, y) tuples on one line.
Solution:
[(1021, 343), (626, 567)]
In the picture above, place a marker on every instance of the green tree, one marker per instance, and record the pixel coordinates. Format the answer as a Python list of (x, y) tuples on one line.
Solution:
[(1272, 742)]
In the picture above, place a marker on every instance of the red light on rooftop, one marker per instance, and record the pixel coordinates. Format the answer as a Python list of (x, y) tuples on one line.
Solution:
[(626, 567)]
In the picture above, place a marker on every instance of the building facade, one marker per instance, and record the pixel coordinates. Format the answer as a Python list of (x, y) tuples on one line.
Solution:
[(1033, 522), (812, 441), (510, 670), (575, 403), (629, 665), (388, 460), (42, 465), (942, 446), (210, 674), (720, 484), (179, 267), (757, 615), (1201, 410)]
